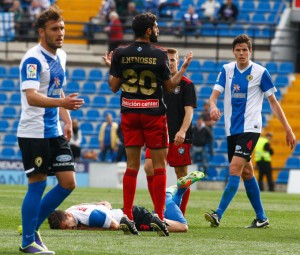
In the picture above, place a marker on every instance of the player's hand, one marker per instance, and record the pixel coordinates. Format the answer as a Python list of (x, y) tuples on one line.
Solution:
[(68, 132), (72, 102), (187, 60), (179, 138), (107, 58), (215, 113), (291, 139)]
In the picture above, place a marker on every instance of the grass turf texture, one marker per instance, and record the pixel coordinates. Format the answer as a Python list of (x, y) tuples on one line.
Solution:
[(283, 237)]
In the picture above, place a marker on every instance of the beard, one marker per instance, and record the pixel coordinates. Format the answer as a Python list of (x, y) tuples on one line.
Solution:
[(153, 38)]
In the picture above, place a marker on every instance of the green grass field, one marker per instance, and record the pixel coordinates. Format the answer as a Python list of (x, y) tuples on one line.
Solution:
[(283, 237)]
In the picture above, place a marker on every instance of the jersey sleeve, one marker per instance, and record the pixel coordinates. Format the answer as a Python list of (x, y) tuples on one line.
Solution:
[(30, 73), (189, 96), (221, 80), (267, 85)]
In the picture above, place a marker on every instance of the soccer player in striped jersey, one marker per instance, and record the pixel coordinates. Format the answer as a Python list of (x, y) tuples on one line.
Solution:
[(244, 84), (43, 142)]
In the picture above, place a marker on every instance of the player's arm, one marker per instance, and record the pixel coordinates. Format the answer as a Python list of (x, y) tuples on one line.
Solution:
[(278, 112), (215, 113), (188, 116), (176, 226), (114, 83), (170, 85)]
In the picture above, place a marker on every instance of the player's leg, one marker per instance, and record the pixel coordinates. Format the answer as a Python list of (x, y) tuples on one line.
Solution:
[(148, 167)]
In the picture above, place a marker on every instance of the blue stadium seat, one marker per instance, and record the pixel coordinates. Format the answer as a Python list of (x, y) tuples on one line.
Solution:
[(14, 126), (205, 92), (282, 177), (208, 29), (19, 155), (266, 107), (78, 74), (273, 18), (281, 81), (87, 128), (77, 114), (208, 66), (113, 114), (219, 133), (197, 78), (3, 72), (286, 68), (7, 153), (253, 31), (194, 66), (259, 18), (89, 87), (3, 98), (94, 143), (247, 6), (9, 140), (211, 78), (292, 163), (223, 30), (272, 67), (223, 147), (7, 85), (72, 87), (264, 6), (236, 30), (267, 32), (223, 175), (92, 115), (104, 88), (211, 174), (87, 100), (296, 151), (13, 72), (114, 102), (243, 17), (95, 74), (9, 112), (99, 101), (219, 160), (4, 125), (15, 99)]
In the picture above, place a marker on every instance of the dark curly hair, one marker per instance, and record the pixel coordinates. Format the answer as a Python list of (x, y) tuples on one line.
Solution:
[(142, 22), (56, 218)]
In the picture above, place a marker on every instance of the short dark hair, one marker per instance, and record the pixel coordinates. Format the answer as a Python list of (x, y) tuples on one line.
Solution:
[(56, 218), (53, 13), (243, 38), (142, 22)]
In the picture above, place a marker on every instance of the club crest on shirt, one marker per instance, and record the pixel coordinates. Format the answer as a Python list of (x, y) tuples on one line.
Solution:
[(139, 48), (249, 77), (181, 150), (176, 90), (31, 71)]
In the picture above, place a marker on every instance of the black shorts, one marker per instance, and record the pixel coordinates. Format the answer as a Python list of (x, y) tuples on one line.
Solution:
[(46, 155), (242, 145), (142, 218)]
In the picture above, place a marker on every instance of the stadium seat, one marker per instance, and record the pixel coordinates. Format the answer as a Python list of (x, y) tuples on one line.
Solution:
[(3, 72), (208, 29), (87, 100), (264, 7), (7, 153), (236, 30), (9, 112), (223, 175), (205, 92), (104, 88), (272, 67), (95, 74), (223, 147), (223, 30), (9, 140), (15, 99), (87, 128), (77, 114), (273, 19), (194, 66), (19, 155), (197, 78), (200, 103), (292, 163), (211, 174), (281, 81), (253, 31), (296, 151), (14, 126), (243, 17), (247, 6), (218, 160), (286, 68), (114, 102), (267, 32), (282, 177), (266, 107), (208, 66), (4, 125), (7, 85), (3, 98), (99, 101), (211, 78), (113, 114), (219, 133), (72, 87), (89, 87), (92, 115), (94, 143), (78, 74), (13, 72)]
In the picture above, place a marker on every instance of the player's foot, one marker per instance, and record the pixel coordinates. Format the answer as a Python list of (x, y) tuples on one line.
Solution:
[(159, 226), (259, 224), (38, 239), (213, 218), (172, 189), (128, 226), (188, 180), (34, 248)]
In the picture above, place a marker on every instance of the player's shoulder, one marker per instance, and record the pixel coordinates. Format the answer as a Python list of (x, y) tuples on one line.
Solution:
[(186, 80), (159, 48)]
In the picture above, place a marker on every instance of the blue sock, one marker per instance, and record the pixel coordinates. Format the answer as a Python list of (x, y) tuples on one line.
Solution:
[(228, 194), (172, 211), (51, 201), (177, 198), (30, 211), (253, 194)]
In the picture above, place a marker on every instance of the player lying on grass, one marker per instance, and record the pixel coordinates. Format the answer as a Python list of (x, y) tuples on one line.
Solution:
[(101, 215)]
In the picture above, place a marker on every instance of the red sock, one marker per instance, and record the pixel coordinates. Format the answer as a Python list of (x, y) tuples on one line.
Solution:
[(129, 187), (150, 186), (159, 192), (185, 200)]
